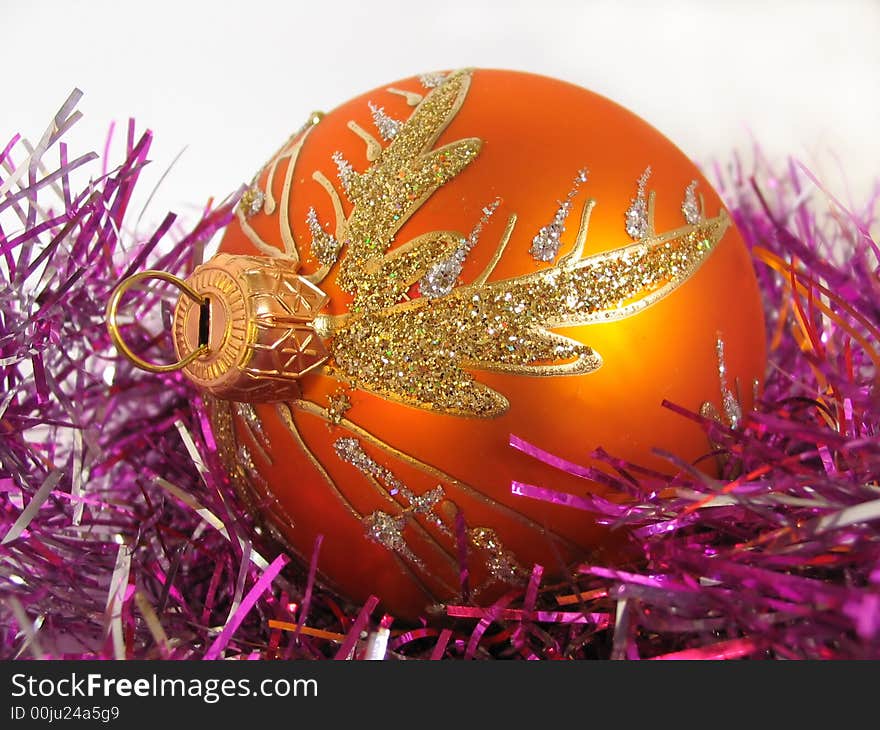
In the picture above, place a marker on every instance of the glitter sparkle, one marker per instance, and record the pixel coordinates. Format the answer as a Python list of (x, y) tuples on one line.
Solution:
[(546, 243), (691, 207), (729, 402), (338, 405), (442, 276), (344, 171), (637, 213), (252, 201), (500, 561), (387, 530), (324, 247), (387, 126), (350, 450), (431, 80)]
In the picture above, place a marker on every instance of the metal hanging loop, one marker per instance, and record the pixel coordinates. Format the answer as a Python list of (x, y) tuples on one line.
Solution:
[(116, 335)]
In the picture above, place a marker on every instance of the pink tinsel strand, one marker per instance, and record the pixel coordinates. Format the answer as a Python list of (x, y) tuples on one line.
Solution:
[(442, 642), (260, 587), (346, 651)]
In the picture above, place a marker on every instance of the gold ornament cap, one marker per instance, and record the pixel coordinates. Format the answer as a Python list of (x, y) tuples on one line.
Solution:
[(243, 329)]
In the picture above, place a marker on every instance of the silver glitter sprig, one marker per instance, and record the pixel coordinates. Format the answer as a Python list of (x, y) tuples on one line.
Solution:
[(441, 278), (381, 527), (547, 241), (388, 126), (637, 213), (387, 530), (424, 503), (729, 402), (344, 171), (501, 562), (252, 201), (350, 450), (691, 207), (324, 247), (248, 413), (245, 462), (431, 80)]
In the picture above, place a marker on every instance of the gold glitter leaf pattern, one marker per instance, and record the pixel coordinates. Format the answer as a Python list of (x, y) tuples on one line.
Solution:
[(405, 175), (422, 352), (419, 352)]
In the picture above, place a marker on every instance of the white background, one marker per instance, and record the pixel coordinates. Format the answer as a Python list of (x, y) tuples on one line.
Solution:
[(229, 81)]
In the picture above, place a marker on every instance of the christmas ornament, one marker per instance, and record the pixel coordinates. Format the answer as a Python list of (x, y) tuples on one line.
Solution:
[(441, 268)]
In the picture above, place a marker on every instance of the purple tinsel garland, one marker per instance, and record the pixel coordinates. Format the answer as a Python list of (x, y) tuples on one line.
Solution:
[(122, 539)]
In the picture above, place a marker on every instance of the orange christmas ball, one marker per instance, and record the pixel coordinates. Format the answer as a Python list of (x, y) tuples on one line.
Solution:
[(492, 253)]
